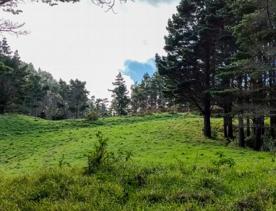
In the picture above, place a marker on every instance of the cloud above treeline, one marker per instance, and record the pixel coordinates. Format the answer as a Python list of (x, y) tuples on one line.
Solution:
[(136, 70), (158, 2)]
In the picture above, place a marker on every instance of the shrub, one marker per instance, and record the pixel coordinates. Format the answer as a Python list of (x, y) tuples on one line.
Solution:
[(97, 158), (269, 144), (92, 116), (101, 158)]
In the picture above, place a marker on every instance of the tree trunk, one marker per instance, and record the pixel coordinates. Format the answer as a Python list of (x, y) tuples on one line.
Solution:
[(273, 125), (230, 127), (248, 132), (207, 117), (2, 109), (272, 107), (228, 122), (258, 134), (207, 97), (241, 132), (225, 126)]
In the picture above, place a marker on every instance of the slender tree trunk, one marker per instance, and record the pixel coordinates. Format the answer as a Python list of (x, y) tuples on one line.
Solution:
[(258, 134), (207, 97), (248, 132), (225, 126), (230, 128), (226, 119), (241, 132), (272, 76), (2, 109), (273, 124), (207, 117), (228, 122)]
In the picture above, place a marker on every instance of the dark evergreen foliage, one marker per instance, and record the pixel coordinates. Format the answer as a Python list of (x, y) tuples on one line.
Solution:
[(120, 102)]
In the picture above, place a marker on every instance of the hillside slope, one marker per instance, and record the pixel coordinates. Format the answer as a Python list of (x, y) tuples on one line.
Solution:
[(29, 143), (172, 166)]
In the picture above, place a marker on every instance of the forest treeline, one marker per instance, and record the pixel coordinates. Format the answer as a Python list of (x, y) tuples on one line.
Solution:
[(221, 56), (25, 90)]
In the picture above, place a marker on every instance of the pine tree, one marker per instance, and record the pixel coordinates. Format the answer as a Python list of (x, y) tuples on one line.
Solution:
[(253, 67), (5, 49), (78, 97), (12, 79), (192, 55), (120, 100)]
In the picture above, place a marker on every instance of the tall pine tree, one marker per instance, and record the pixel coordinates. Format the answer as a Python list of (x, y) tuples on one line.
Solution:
[(193, 53), (120, 100)]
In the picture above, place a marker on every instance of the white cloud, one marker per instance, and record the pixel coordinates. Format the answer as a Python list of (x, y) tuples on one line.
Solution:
[(82, 41)]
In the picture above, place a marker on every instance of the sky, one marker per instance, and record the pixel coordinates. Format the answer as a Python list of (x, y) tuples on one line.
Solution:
[(83, 41)]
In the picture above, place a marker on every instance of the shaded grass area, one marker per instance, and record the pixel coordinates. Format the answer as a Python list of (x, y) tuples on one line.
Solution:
[(173, 167)]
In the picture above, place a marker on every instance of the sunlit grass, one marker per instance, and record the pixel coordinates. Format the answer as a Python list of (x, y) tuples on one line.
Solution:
[(172, 167)]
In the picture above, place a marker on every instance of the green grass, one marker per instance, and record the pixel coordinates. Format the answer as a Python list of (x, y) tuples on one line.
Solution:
[(172, 167)]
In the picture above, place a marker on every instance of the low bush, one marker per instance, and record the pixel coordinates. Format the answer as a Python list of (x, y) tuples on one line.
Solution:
[(101, 158), (92, 116)]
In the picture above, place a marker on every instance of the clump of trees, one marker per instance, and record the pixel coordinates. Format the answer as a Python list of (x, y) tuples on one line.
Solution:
[(146, 97), (222, 54), (150, 96), (23, 89)]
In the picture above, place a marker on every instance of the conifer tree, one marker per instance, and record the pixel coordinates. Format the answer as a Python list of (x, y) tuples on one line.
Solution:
[(120, 100), (77, 97), (255, 65), (192, 55)]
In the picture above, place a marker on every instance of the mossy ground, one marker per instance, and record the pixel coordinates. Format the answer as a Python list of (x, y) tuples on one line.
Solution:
[(172, 167)]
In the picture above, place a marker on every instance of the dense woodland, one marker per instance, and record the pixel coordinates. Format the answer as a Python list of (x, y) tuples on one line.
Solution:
[(220, 61), (221, 56)]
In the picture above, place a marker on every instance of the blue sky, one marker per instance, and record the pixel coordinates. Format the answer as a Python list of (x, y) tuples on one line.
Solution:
[(136, 70), (85, 42)]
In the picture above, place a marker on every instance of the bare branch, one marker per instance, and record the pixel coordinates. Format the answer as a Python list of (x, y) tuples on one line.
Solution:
[(109, 4), (7, 26), (11, 6)]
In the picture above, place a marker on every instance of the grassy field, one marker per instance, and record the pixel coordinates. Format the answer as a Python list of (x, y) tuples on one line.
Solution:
[(172, 166)]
